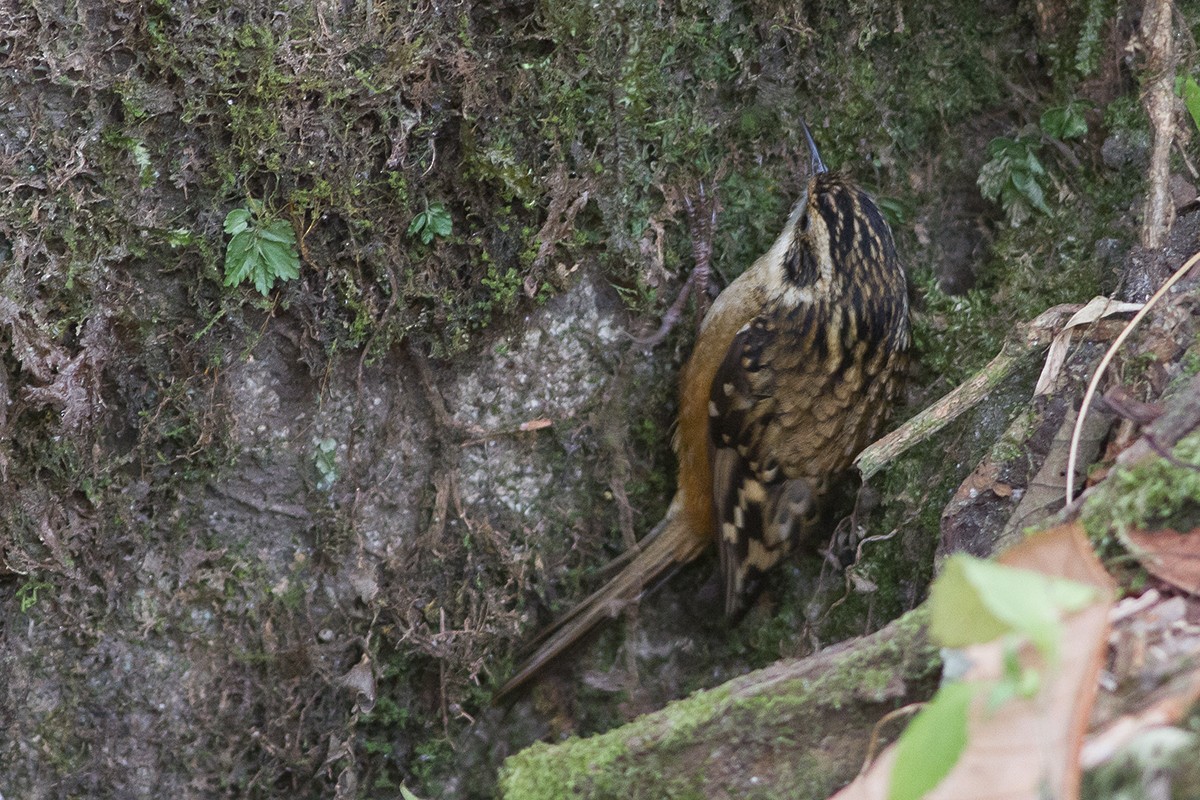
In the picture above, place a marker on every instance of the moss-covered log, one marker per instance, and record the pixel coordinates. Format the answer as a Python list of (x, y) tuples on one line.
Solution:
[(799, 728)]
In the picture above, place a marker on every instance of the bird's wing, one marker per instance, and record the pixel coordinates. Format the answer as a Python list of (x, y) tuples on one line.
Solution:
[(765, 455)]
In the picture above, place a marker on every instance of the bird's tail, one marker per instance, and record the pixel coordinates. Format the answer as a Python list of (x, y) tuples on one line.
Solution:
[(667, 547)]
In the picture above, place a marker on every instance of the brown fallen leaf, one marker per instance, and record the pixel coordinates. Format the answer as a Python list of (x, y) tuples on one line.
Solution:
[(1056, 357), (1167, 710), (1026, 748), (361, 681), (1120, 402), (1168, 555), (1048, 488)]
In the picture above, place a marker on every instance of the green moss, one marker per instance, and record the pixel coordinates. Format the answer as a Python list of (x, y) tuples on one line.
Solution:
[(1190, 363), (1012, 445), (1154, 493), (657, 755), (955, 336), (65, 753)]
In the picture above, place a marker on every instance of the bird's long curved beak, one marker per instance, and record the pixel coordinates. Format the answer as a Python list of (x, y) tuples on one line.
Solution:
[(818, 166)]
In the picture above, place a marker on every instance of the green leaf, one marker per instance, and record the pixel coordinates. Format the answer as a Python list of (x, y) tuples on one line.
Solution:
[(238, 258), (419, 222), (281, 260), (264, 254), (975, 601), (278, 231), (263, 280), (1066, 122), (992, 177), (1011, 177), (1033, 164), (1033, 193), (180, 237), (435, 220), (1001, 147), (237, 221), (141, 157), (440, 220), (932, 743), (1189, 90), (894, 211)]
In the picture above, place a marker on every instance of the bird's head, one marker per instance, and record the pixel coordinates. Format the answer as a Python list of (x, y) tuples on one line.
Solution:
[(837, 233)]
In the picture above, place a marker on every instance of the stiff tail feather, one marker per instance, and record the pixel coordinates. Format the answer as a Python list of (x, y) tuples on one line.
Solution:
[(667, 547)]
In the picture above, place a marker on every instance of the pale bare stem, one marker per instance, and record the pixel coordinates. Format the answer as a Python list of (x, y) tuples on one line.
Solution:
[(873, 744), (1073, 455), (1159, 101)]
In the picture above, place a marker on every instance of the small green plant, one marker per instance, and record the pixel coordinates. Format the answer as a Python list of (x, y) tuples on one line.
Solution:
[(138, 152), (27, 594), (325, 460), (1065, 122), (262, 249), (896, 212), (180, 237), (433, 221), (1013, 178), (505, 286)]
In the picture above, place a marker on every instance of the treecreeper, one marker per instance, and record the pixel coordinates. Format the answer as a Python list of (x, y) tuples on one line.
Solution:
[(794, 371)]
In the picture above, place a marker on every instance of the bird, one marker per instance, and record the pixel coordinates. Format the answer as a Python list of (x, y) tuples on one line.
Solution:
[(795, 369)]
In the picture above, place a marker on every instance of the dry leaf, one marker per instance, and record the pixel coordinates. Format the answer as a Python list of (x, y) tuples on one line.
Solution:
[(1095, 310), (1168, 555), (1119, 401), (1168, 710), (1047, 489), (361, 680), (1026, 748)]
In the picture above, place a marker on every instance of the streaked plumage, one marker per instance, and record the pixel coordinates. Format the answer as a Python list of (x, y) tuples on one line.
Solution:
[(794, 371)]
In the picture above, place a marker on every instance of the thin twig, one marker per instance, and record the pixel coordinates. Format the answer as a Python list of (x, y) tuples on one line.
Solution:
[(1073, 454), (1033, 335), (873, 744)]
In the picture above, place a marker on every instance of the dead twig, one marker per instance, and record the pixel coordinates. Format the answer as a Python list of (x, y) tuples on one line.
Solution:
[(434, 397), (1028, 337), (1073, 455), (873, 744)]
